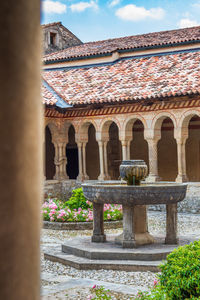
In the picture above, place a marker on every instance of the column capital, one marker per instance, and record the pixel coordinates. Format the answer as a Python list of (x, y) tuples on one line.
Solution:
[(124, 142), (181, 140), (152, 140)]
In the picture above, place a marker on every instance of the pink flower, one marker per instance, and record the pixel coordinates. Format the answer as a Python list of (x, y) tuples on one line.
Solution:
[(94, 286), (155, 282), (108, 216), (53, 205), (89, 297)]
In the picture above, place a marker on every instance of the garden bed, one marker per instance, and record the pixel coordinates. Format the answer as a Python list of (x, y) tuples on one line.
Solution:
[(79, 225), (77, 213)]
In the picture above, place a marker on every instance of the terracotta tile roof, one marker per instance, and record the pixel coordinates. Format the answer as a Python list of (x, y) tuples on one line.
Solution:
[(131, 42), (129, 79), (47, 97), (51, 24)]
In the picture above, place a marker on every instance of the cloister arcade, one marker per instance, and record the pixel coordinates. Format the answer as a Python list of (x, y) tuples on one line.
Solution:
[(93, 148)]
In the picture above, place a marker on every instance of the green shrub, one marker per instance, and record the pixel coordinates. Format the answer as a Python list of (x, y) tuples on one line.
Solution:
[(77, 200), (180, 277)]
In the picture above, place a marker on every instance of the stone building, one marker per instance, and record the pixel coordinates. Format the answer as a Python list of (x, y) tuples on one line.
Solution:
[(135, 97), (57, 37)]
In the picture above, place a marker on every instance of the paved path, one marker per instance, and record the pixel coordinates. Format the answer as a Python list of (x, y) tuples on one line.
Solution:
[(64, 282)]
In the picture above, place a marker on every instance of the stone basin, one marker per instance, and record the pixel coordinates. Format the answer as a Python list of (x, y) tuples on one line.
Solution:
[(117, 192), (134, 200)]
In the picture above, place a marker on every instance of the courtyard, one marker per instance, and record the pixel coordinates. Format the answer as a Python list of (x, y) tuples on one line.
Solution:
[(65, 282)]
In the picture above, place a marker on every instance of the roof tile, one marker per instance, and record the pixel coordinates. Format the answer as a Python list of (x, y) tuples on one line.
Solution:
[(130, 42), (127, 79)]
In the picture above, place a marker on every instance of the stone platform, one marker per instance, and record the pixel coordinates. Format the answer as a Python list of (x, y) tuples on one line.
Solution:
[(82, 254)]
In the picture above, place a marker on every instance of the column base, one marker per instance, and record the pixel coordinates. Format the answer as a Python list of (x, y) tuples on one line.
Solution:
[(171, 241), (102, 177), (181, 178), (140, 239), (82, 177), (152, 178), (98, 238), (61, 177)]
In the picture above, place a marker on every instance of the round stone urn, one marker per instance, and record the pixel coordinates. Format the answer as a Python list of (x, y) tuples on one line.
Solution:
[(133, 171)]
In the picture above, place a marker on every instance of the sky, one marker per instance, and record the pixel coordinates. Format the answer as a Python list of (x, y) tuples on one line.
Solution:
[(93, 20)]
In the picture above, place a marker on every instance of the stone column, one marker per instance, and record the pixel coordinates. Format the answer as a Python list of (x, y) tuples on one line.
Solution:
[(80, 162), (182, 177), (135, 227), (153, 160), (171, 224), (124, 150), (128, 237), (60, 160), (21, 176), (98, 223), (86, 177), (107, 176), (101, 160), (128, 149)]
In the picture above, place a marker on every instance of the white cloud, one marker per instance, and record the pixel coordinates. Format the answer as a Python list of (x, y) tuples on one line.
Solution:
[(51, 7), (135, 13), (196, 5), (81, 6), (183, 23), (114, 3)]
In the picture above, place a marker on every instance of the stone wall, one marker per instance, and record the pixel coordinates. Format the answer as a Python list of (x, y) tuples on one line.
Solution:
[(60, 189), (63, 189), (63, 38)]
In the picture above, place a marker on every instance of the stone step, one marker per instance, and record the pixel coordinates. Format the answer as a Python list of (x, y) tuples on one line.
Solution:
[(109, 250), (89, 264)]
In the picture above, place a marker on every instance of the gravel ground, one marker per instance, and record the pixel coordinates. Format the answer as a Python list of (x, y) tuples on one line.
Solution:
[(54, 275)]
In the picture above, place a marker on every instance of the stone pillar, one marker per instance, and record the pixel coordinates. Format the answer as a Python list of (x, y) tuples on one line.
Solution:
[(182, 177), (86, 177), (98, 223), (171, 224), (128, 237), (21, 176), (107, 176), (60, 160), (80, 162), (124, 150), (128, 149), (101, 160), (153, 160), (135, 227)]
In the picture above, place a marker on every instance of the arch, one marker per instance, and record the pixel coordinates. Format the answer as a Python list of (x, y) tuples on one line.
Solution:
[(157, 123), (65, 128), (114, 149), (49, 155), (128, 125), (83, 129), (167, 151), (92, 154), (72, 168), (184, 121), (104, 127), (192, 146), (52, 127), (138, 145)]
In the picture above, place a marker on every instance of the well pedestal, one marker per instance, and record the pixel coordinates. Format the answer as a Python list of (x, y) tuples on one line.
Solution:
[(135, 226)]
